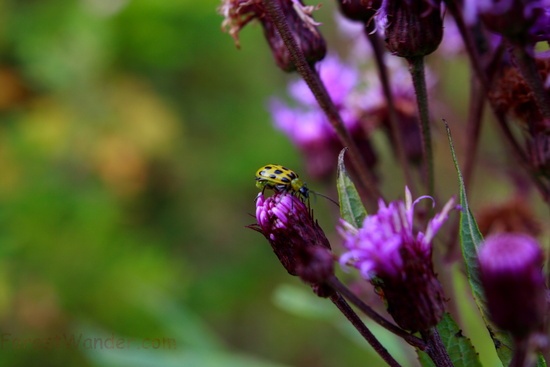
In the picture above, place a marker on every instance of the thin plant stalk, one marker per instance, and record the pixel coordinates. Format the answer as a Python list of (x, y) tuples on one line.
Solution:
[(522, 355), (367, 310), (320, 92), (416, 68), (435, 348), (344, 307), (378, 51), (485, 84)]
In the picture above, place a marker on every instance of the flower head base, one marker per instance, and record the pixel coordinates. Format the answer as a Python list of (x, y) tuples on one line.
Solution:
[(238, 13), (412, 28), (295, 236), (359, 10), (387, 251), (511, 274), (517, 19)]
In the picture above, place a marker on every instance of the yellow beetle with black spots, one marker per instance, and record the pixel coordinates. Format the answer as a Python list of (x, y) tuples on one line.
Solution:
[(280, 179)]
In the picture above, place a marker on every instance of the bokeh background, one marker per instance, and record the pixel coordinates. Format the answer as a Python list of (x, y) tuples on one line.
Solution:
[(130, 131)]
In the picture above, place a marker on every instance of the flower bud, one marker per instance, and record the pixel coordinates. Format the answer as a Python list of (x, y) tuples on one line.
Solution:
[(511, 274), (303, 27), (295, 236), (514, 215), (359, 10), (238, 13), (414, 27), (512, 19)]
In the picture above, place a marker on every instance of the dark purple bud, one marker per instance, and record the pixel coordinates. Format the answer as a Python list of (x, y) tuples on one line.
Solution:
[(514, 215), (359, 10), (413, 27), (511, 274), (295, 236), (512, 19), (238, 13)]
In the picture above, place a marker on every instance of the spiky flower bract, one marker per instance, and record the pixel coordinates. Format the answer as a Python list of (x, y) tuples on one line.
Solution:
[(389, 252), (295, 236)]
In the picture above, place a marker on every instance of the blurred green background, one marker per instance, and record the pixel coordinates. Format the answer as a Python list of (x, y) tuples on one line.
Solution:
[(130, 131), (129, 135)]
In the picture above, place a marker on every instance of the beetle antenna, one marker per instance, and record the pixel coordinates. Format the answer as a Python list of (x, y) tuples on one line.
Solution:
[(326, 197)]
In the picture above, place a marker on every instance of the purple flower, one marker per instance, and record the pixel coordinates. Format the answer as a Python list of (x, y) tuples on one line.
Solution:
[(393, 255), (510, 266), (376, 248), (295, 236)]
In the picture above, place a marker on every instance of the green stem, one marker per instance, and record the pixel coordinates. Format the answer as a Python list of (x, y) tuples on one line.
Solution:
[(324, 100), (416, 68)]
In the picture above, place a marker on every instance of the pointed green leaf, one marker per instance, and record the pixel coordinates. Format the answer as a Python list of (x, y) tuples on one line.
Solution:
[(459, 347), (351, 207), (461, 351), (470, 240), (424, 359)]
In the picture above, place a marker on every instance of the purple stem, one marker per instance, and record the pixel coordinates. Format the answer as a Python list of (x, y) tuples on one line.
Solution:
[(435, 348), (367, 310), (344, 307), (485, 84), (397, 137), (321, 95)]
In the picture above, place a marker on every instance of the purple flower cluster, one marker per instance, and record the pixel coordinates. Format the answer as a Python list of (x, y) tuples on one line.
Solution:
[(376, 249), (340, 105), (397, 258)]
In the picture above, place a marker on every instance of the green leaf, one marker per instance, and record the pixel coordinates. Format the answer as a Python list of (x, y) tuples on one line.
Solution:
[(461, 351), (459, 347), (470, 240), (424, 359), (351, 207)]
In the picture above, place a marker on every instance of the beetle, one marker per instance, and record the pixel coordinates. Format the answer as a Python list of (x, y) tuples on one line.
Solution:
[(281, 179)]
